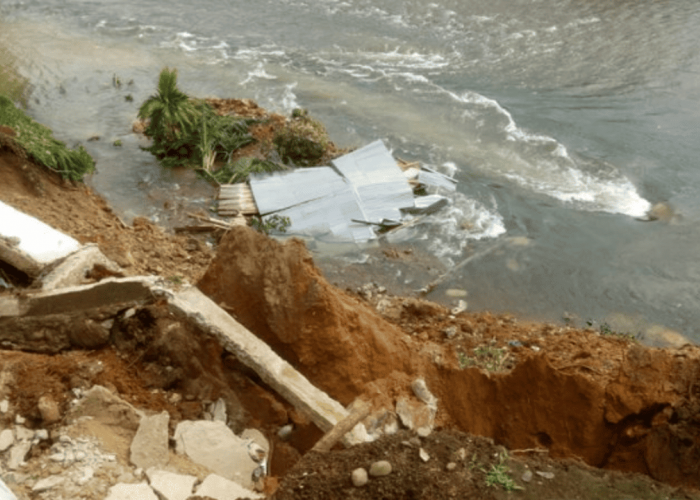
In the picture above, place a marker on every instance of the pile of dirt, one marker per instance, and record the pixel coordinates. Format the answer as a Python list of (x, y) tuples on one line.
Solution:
[(574, 393)]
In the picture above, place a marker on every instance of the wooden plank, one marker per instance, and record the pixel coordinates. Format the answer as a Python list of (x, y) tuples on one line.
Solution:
[(235, 199)]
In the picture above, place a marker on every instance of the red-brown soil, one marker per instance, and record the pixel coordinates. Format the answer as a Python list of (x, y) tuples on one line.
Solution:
[(608, 401)]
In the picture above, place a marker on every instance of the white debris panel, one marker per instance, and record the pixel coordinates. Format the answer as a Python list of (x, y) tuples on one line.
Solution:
[(366, 188)]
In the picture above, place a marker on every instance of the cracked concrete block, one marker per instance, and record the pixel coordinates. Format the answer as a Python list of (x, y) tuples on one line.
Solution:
[(149, 448), (214, 445), (124, 491), (29, 244), (171, 486), (220, 488), (74, 268)]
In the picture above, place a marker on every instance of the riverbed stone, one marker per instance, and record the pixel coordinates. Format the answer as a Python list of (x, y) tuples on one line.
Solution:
[(380, 468), (359, 477), (149, 448)]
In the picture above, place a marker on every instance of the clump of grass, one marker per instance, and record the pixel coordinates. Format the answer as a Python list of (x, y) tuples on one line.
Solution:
[(489, 357), (38, 143), (12, 84), (498, 474), (269, 224)]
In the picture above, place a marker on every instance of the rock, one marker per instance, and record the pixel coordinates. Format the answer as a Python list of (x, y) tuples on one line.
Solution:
[(460, 307), (220, 488), (546, 475), (423, 455), (450, 331), (527, 476), (285, 432), (139, 491), (218, 410), (47, 483), (451, 466), (22, 433), (420, 389), (17, 454), (19, 419), (380, 468), (48, 408), (359, 477), (214, 445), (171, 486), (456, 292), (415, 415), (149, 448), (7, 439), (4, 406), (88, 334)]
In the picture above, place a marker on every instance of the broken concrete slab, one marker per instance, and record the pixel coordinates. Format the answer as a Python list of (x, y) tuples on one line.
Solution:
[(320, 408), (123, 491), (56, 320), (171, 486), (149, 448), (214, 445), (7, 439), (5, 492), (74, 268), (17, 453), (28, 244), (220, 488)]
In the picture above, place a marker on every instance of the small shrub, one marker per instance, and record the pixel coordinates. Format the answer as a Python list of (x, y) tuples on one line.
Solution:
[(270, 223), (303, 141), (499, 475)]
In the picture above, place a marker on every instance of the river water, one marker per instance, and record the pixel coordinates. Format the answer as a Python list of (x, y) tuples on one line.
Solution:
[(563, 120)]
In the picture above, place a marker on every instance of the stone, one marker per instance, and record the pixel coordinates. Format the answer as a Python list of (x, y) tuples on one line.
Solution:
[(214, 445), (47, 483), (48, 408), (139, 491), (420, 389), (423, 455), (220, 488), (17, 454), (380, 468), (4, 406), (359, 477), (23, 434), (415, 415), (19, 419), (285, 432), (527, 476), (546, 475), (218, 410), (149, 448), (7, 439), (171, 486), (450, 466)]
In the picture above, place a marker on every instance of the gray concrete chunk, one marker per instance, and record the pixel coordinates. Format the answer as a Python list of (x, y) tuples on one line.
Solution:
[(171, 486), (149, 448), (220, 488)]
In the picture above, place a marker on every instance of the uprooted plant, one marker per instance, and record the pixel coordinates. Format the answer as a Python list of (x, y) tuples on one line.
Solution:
[(188, 132)]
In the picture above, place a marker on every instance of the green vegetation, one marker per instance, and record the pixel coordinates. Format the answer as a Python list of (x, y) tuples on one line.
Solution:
[(269, 224), (489, 357), (188, 132), (303, 141), (498, 474), (117, 143), (606, 330), (37, 142)]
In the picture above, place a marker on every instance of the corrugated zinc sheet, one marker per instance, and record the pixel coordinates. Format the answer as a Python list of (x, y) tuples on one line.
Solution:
[(380, 185), (316, 200), (430, 177)]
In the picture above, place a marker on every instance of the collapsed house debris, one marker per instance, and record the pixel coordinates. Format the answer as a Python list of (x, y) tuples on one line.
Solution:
[(361, 192)]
